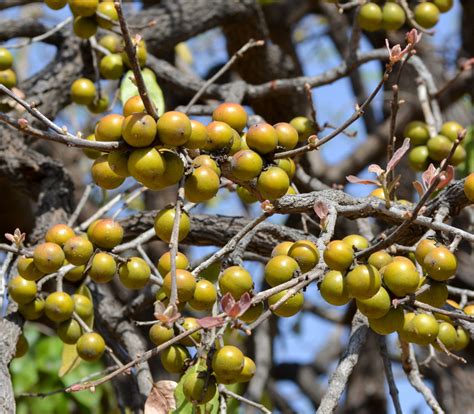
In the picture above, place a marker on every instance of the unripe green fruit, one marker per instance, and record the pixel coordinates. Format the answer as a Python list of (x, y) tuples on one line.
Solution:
[(262, 138), (436, 295), (78, 250), (108, 10), (380, 259), (91, 153), (83, 92), (248, 371), (419, 158), (22, 291), (219, 135), (174, 358), (447, 334), (204, 297), (363, 281), (407, 331), (440, 264), (90, 346), (75, 274), (22, 346), (418, 132), (426, 328), (356, 241), (469, 187), (245, 195), (139, 130), (174, 128), (28, 270), (282, 248), (164, 224), (287, 135), (134, 274), (189, 324), (338, 255), (164, 263), (83, 306), (423, 248), (232, 114), (103, 268), (443, 5), (401, 277), (206, 161), (375, 307), (252, 313), (32, 310), (105, 233), (392, 321), (104, 176), (201, 185), (109, 128), (439, 146), (462, 339), (305, 253), (246, 164), (59, 306), (69, 331), (84, 27), (48, 257), (227, 363), (304, 126), (118, 163), (426, 15), (141, 52), (133, 105), (393, 16), (160, 334), (198, 137), (55, 4), (83, 7), (111, 66), (459, 156), (199, 389), (146, 165), (8, 78), (6, 59), (235, 280), (111, 42), (333, 288), (185, 282), (451, 130), (273, 183), (287, 165), (370, 17), (280, 269), (288, 308)]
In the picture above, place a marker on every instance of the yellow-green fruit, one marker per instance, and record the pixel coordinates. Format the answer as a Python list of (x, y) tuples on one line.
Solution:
[(338, 255), (447, 335), (111, 42), (273, 183), (245, 195), (280, 269), (333, 288), (426, 328), (392, 321), (174, 168), (236, 143), (134, 274), (164, 263), (22, 291), (248, 371), (160, 334), (48, 257), (146, 165), (204, 297), (164, 224), (423, 248), (69, 331), (305, 253), (32, 310), (174, 128), (133, 105), (235, 280), (469, 187), (440, 264), (282, 248), (141, 53), (103, 268), (90, 346), (436, 295), (78, 250), (232, 114), (105, 233), (459, 156), (419, 158), (246, 164), (189, 324), (109, 128), (451, 130), (304, 126), (443, 5), (75, 274), (84, 27), (370, 17), (287, 165), (198, 388), (55, 4), (252, 313), (118, 163), (201, 185), (83, 91), (22, 346), (185, 282), (462, 339), (198, 137), (227, 363), (418, 133), (262, 138), (426, 15), (174, 358), (6, 59), (380, 259), (206, 161), (393, 16), (83, 306), (289, 307), (287, 135), (28, 270), (91, 153), (356, 241), (59, 306), (363, 281), (375, 307), (111, 66), (59, 234), (83, 7), (401, 277), (104, 176), (219, 135), (139, 130), (107, 9), (8, 78)]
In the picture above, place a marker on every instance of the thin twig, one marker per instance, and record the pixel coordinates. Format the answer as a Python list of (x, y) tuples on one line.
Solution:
[(80, 205), (261, 407), (389, 375)]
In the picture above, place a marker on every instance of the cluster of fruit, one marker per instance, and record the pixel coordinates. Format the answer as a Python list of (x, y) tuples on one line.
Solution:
[(432, 149), (7, 74), (391, 16)]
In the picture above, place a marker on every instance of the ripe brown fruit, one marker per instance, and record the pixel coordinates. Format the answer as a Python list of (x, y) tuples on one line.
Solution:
[(78, 250), (109, 128), (48, 257), (164, 224), (232, 114), (134, 274), (59, 234), (219, 135), (59, 306), (262, 138), (245, 165), (133, 105), (83, 91), (105, 233), (273, 183), (90, 346), (174, 128), (22, 291), (235, 280), (185, 282)]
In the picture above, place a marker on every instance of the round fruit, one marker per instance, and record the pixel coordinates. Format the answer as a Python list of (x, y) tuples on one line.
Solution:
[(103, 268), (22, 346), (32, 310), (91, 153), (392, 321), (287, 135), (417, 131), (273, 183), (28, 270), (164, 224), (7, 78), (219, 135), (235, 280), (133, 105), (104, 176), (141, 53), (105, 233), (6, 59), (375, 307), (55, 4), (305, 253), (419, 158), (245, 195), (198, 137), (78, 250), (356, 241), (134, 274), (75, 274), (109, 128), (107, 9), (118, 163), (380, 259), (288, 308), (111, 42), (189, 324), (69, 331), (252, 313), (146, 165), (443, 5), (451, 130), (84, 27), (90, 346), (304, 126), (111, 66), (401, 277), (139, 130), (174, 168), (469, 187), (185, 282), (370, 17), (447, 335), (378, 192), (393, 16), (423, 248), (199, 388), (426, 15), (246, 164), (287, 165), (363, 281), (22, 291), (59, 306), (333, 288), (48, 257), (426, 328), (174, 358), (201, 185), (248, 371), (83, 7), (280, 269), (232, 114), (59, 234), (262, 138), (83, 306), (164, 263), (468, 310), (206, 161), (160, 334), (436, 295), (205, 295), (440, 264), (407, 330), (212, 272), (462, 339), (174, 128), (83, 91), (228, 362), (99, 105), (459, 156), (282, 248), (338, 255)]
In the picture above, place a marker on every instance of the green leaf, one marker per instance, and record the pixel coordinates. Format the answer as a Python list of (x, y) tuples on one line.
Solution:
[(24, 374), (47, 351), (128, 89), (469, 147)]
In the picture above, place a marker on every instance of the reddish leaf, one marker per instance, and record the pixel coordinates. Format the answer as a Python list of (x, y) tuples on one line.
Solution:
[(356, 180), (419, 188), (398, 155), (413, 37), (321, 209), (428, 176), (244, 303), (211, 321), (446, 177), (227, 302), (377, 169), (161, 399)]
